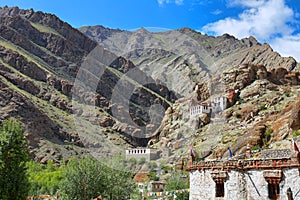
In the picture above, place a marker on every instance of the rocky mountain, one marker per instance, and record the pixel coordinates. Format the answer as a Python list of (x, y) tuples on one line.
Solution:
[(185, 54), (100, 90), (263, 114), (47, 74)]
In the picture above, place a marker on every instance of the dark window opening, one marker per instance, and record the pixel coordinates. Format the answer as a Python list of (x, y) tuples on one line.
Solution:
[(274, 192), (219, 189)]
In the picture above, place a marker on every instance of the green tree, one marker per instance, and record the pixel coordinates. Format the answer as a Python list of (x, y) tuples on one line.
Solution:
[(153, 176), (179, 181), (136, 194), (118, 179), (45, 179), (84, 179), (87, 178), (13, 156)]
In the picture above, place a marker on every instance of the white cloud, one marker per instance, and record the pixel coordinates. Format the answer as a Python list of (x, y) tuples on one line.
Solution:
[(287, 46), (216, 12), (262, 21), (246, 3), (267, 20), (160, 2), (177, 2)]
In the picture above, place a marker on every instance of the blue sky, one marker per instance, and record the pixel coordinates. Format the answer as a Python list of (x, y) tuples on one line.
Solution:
[(276, 22)]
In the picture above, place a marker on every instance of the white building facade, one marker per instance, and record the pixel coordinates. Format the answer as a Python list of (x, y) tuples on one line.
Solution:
[(217, 105), (251, 179), (139, 153)]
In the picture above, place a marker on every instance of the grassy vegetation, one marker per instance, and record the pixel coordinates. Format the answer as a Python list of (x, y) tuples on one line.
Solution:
[(296, 133), (63, 119), (256, 147), (268, 133), (45, 179), (159, 37), (59, 116), (35, 82), (227, 138), (33, 58), (210, 42), (14, 70), (45, 29), (30, 57), (79, 177)]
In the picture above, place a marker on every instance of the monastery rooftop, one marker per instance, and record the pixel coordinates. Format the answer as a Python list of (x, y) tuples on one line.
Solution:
[(269, 159)]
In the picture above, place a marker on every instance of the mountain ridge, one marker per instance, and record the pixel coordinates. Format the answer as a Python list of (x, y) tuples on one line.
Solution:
[(204, 55), (40, 59), (197, 59), (76, 97)]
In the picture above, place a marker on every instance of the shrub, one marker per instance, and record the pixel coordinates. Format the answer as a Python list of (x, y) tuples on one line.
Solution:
[(296, 133)]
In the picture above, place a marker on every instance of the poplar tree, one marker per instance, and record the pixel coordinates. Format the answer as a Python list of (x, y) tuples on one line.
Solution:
[(13, 156)]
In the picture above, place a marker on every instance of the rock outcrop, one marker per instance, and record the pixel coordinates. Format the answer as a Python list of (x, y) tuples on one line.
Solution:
[(263, 111)]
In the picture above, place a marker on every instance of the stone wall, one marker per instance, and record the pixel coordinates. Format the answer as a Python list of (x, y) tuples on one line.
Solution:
[(278, 153), (242, 185)]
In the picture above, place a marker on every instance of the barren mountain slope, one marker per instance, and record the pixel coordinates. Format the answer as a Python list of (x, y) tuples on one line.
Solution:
[(185, 54), (263, 115), (67, 90), (73, 96)]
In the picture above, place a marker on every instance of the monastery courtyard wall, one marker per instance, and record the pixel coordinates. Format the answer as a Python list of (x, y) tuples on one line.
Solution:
[(242, 185), (246, 179)]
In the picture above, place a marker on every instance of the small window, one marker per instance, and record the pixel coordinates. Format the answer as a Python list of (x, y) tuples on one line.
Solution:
[(274, 191), (220, 189)]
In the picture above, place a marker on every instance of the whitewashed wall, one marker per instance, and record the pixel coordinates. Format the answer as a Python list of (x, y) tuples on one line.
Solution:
[(202, 186), (257, 186), (249, 185), (290, 179)]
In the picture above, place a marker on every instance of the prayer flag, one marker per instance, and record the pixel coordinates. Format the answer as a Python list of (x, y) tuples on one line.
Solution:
[(192, 151), (230, 152), (295, 146)]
